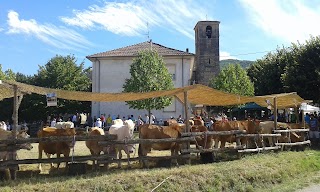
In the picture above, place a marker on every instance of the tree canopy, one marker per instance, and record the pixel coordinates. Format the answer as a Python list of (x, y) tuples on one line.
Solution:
[(289, 69), (148, 73), (233, 79), (60, 72)]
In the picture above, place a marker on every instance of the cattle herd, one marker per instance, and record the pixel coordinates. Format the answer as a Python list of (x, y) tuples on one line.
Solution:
[(124, 131)]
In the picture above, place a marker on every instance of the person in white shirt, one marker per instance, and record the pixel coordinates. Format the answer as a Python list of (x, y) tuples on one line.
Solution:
[(53, 122), (98, 123), (153, 118), (147, 119)]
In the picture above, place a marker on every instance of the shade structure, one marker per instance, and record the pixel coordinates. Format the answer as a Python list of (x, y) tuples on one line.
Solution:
[(196, 94)]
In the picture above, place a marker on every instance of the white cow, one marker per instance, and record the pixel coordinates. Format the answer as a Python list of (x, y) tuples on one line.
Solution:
[(124, 132), (21, 127), (117, 122), (3, 125), (61, 125)]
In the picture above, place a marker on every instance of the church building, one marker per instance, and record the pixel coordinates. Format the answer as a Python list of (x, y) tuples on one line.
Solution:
[(111, 68)]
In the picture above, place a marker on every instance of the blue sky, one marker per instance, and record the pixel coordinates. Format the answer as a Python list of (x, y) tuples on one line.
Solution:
[(34, 31)]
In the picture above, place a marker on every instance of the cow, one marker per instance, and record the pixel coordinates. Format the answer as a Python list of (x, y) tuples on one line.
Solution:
[(246, 126), (57, 147), (12, 155), (198, 121), (124, 132), (20, 127), (3, 125), (204, 141), (170, 122), (117, 122), (67, 124), (93, 145), (267, 127), (147, 131)]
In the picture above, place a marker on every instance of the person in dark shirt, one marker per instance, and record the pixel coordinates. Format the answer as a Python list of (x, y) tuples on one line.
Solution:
[(314, 131)]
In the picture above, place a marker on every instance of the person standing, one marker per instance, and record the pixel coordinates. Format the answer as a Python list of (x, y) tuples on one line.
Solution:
[(98, 123), (109, 120), (53, 122), (153, 118), (146, 119), (314, 131)]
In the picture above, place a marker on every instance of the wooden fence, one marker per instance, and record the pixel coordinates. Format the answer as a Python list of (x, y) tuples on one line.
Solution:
[(106, 140)]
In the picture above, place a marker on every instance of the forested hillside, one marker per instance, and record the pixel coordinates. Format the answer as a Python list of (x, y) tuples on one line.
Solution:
[(243, 63)]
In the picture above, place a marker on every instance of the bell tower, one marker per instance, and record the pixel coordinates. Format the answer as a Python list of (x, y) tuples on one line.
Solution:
[(207, 51)]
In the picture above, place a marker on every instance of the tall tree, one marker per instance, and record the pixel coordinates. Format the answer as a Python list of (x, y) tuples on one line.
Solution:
[(62, 72), (233, 79), (302, 74), (148, 73), (8, 74), (291, 69), (266, 73)]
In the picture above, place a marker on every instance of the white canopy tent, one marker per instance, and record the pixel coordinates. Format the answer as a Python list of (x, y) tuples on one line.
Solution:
[(309, 108)]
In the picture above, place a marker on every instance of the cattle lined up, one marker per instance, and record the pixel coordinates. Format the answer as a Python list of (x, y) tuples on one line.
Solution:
[(124, 132)]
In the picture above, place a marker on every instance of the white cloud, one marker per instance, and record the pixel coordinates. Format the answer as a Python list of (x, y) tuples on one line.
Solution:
[(59, 37), (225, 55), (285, 19), (130, 19), (1, 29)]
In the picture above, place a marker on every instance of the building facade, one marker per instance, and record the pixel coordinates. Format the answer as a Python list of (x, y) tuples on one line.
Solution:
[(111, 68)]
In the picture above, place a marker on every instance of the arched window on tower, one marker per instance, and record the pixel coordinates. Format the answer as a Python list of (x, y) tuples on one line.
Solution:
[(208, 31)]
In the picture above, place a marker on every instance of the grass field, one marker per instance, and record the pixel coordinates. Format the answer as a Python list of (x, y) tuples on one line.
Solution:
[(284, 171)]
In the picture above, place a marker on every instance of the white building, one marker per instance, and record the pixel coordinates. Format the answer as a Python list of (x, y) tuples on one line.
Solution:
[(111, 68)]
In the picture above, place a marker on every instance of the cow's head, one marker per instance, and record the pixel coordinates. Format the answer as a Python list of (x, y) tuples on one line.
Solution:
[(129, 148), (68, 132), (129, 124), (24, 135)]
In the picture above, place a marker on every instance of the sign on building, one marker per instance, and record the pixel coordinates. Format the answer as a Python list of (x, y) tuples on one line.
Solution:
[(51, 99)]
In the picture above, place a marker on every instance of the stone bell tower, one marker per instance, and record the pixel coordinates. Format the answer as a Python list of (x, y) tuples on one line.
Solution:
[(207, 51)]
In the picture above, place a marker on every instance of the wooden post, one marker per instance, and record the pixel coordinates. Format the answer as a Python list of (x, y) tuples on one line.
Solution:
[(302, 119), (15, 110), (296, 113), (275, 115), (275, 112), (185, 95)]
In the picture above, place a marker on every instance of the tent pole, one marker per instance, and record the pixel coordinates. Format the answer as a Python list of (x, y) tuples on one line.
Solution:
[(275, 112), (15, 110), (185, 95)]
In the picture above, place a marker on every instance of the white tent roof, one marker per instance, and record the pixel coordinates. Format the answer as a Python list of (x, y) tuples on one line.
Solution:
[(309, 108)]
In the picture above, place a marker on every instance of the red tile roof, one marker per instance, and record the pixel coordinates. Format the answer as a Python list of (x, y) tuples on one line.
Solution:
[(133, 50)]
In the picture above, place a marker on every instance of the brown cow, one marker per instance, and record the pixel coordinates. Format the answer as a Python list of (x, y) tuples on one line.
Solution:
[(59, 147), (93, 145), (147, 131), (204, 141), (170, 122), (267, 127), (10, 173), (247, 126)]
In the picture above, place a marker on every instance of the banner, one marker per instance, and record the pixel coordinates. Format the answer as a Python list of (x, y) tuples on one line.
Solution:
[(51, 99)]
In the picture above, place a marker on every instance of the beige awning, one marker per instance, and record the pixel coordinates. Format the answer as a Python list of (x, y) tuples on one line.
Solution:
[(197, 94)]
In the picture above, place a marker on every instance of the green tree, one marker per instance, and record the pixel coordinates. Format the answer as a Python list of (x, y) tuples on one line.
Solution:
[(148, 73), (266, 73), (62, 72), (233, 79), (291, 69), (7, 75)]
